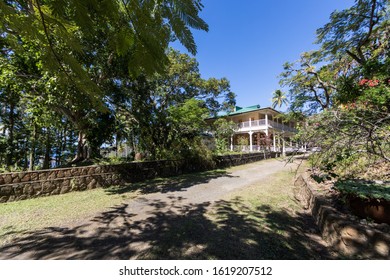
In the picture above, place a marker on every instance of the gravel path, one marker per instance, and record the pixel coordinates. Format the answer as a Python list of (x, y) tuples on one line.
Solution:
[(215, 189), (152, 222)]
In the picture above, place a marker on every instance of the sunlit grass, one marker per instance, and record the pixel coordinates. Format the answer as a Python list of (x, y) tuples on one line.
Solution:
[(28, 215), (32, 214)]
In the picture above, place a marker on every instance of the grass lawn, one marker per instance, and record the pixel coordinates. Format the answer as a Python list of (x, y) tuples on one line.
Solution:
[(33, 214), (23, 216)]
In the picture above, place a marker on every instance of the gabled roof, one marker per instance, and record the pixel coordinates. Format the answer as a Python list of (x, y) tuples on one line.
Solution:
[(240, 110), (243, 110)]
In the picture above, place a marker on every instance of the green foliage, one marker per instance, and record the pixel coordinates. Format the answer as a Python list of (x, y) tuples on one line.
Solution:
[(359, 31), (138, 31), (364, 189), (221, 146), (187, 123), (243, 141), (346, 83), (369, 86), (68, 69), (279, 99), (350, 141), (223, 130), (354, 45), (169, 109), (311, 86)]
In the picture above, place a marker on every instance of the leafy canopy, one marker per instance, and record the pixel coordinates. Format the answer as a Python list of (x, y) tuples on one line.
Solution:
[(138, 31)]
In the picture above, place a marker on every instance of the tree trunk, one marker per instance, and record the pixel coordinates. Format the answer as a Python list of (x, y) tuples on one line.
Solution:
[(31, 160), (116, 145), (46, 160), (64, 144), (83, 151), (25, 155), (69, 143), (59, 147), (10, 143)]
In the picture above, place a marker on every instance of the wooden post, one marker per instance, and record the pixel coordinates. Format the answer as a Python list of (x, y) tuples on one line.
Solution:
[(250, 141)]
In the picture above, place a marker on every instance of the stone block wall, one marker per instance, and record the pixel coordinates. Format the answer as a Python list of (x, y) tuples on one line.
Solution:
[(238, 159), (343, 232), (23, 185)]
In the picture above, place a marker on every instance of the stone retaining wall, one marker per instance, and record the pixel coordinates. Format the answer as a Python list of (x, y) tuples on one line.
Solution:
[(24, 185), (342, 231), (238, 159)]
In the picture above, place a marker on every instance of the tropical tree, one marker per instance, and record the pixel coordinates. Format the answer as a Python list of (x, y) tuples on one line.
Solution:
[(141, 29), (223, 131), (349, 89), (354, 44), (67, 66), (153, 99), (360, 32), (279, 99), (311, 86)]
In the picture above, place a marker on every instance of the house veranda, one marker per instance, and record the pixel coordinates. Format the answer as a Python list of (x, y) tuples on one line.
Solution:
[(260, 129)]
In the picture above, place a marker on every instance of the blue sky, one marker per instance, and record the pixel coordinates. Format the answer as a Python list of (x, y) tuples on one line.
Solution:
[(250, 40)]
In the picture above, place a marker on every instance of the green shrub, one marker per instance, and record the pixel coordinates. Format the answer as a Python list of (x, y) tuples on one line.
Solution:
[(364, 189)]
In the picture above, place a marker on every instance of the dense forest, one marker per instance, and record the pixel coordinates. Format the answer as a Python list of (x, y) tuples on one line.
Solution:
[(77, 76)]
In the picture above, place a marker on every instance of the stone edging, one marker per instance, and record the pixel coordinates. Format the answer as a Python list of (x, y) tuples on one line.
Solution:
[(342, 231)]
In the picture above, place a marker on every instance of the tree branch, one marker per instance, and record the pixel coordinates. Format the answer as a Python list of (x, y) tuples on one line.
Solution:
[(51, 45)]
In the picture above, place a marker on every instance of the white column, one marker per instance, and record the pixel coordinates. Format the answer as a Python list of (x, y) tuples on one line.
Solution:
[(273, 134), (231, 143), (250, 141), (283, 148)]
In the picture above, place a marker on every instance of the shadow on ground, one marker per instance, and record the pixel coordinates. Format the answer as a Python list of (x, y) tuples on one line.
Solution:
[(164, 185), (223, 230)]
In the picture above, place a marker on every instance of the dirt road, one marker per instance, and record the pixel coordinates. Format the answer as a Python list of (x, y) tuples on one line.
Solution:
[(172, 220)]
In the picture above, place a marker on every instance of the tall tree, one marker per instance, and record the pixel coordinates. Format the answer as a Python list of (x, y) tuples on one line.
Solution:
[(279, 99), (352, 44), (142, 28), (360, 32), (77, 45), (350, 90), (311, 84), (154, 97)]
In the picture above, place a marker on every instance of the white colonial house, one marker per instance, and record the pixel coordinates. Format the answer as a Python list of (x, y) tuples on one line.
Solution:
[(260, 129)]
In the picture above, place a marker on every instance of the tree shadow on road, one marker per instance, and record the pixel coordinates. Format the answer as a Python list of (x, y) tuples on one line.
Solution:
[(222, 230), (164, 185)]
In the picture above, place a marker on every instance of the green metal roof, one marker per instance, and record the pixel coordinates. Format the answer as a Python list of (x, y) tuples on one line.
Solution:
[(241, 110)]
